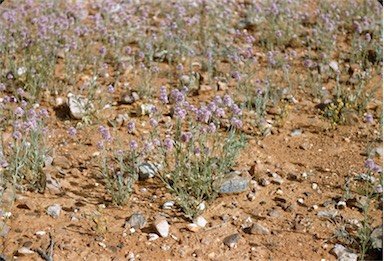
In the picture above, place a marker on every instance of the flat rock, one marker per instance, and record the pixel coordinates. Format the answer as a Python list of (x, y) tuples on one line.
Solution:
[(327, 214), (200, 221), (137, 220), (232, 240), (79, 106), (343, 254), (53, 185), (54, 210), (234, 184), (162, 227), (377, 238), (24, 251), (295, 133), (257, 229), (147, 170), (129, 97)]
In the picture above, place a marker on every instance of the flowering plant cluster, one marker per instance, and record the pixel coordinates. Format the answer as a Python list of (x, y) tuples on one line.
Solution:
[(196, 154)]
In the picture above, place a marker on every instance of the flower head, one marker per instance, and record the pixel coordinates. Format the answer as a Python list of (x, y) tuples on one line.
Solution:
[(131, 126), (168, 144)]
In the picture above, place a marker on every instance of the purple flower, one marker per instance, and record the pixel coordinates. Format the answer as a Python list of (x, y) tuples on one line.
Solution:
[(368, 119), (72, 131), (100, 145), (369, 164), (184, 89), (217, 100), (163, 95), (168, 144), (211, 128), (20, 91), (179, 113), (152, 122), (110, 89), (3, 163), (17, 135), (279, 34), (236, 123), (2, 87), (377, 169), (156, 143), (236, 110), (368, 37), (23, 103), (133, 145), (212, 106), (105, 134), (147, 146), (220, 113), (102, 51), (44, 113), (19, 112), (131, 126), (308, 63), (203, 115), (185, 137), (180, 67), (227, 101), (127, 50), (236, 75), (119, 153)]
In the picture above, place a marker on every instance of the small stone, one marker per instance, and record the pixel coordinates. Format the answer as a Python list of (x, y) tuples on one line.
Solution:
[(121, 119), (277, 179), (165, 247), (52, 185), (274, 213), (144, 109), (334, 66), (152, 236), (137, 220), (257, 229), (168, 204), (54, 210), (48, 160), (233, 184), (327, 214), (295, 133), (200, 221), (147, 170), (79, 106), (24, 251), (40, 233), (343, 254), (315, 207), (377, 237), (264, 182), (194, 227), (232, 240), (300, 201), (341, 205), (279, 192), (314, 186), (201, 206), (222, 86), (305, 146), (162, 227), (129, 97), (251, 196)]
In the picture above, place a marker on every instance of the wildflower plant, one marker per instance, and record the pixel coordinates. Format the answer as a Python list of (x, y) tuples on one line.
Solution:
[(119, 167), (196, 154)]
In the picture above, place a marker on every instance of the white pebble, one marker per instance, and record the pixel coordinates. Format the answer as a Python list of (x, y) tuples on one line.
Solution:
[(300, 200), (314, 186)]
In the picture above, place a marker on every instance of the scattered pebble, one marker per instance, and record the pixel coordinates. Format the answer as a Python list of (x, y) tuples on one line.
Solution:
[(200, 221), (40, 233), (341, 205), (162, 227), (327, 214), (54, 210), (168, 204), (314, 186), (343, 254), (194, 227), (257, 229), (295, 133), (79, 106), (152, 236), (377, 238), (232, 240), (147, 170), (137, 220), (264, 182), (334, 66), (24, 251), (234, 184), (251, 196), (129, 97), (277, 179)]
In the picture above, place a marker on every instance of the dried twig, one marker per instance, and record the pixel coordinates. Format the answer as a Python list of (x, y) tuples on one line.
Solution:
[(44, 254)]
